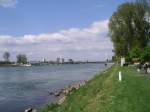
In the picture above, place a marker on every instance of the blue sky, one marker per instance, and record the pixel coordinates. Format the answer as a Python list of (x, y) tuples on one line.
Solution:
[(42, 16), (41, 22)]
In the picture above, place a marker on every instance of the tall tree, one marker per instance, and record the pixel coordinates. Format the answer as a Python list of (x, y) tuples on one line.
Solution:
[(129, 27), (6, 56), (21, 59)]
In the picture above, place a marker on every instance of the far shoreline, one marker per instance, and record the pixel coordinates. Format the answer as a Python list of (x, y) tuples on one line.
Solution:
[(42, 64)]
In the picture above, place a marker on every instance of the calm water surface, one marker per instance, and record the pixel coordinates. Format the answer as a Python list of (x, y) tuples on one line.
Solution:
[(24, 87)]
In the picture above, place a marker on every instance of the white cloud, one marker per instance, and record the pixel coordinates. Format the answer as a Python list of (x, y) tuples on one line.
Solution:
[(88, 43), (8, 3)]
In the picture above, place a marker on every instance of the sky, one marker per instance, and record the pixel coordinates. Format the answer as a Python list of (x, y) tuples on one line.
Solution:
[(76, 29)]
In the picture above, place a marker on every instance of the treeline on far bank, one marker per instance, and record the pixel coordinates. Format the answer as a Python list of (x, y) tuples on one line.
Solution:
[(129, 29), (21, 59), (3, 63)]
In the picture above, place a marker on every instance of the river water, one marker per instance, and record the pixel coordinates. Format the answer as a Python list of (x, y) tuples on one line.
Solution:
[(24, 87)]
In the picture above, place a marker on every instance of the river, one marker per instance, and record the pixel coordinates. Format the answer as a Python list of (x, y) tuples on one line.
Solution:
[(24, 87)]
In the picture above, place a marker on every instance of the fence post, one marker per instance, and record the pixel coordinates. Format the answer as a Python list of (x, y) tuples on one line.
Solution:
[(120, 76)]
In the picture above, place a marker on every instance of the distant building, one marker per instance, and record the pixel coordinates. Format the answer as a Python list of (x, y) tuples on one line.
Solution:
[(58, 60), (44, 60), (62, 60)]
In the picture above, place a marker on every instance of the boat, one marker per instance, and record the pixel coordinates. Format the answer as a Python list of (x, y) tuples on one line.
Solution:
[(25, 65)]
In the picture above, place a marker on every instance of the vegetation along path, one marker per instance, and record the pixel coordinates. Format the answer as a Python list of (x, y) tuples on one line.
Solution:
[(104, 93)]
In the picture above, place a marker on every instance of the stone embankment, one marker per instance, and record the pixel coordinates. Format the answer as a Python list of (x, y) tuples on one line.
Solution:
[(61, 93)]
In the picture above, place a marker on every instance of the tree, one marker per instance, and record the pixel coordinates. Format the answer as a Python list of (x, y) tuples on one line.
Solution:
[(21, 59), (6, 56), (146, 54), (129, 27), (135, 53)]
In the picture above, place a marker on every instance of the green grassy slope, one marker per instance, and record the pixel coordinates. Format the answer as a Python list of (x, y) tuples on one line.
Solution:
[(104, 93)]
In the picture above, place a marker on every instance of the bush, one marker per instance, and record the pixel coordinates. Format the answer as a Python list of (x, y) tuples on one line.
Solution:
[(146, 54), (128, 58), (135, 53)]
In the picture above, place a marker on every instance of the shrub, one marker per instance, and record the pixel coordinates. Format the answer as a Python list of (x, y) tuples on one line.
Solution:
[(146, 54), (135, 53)]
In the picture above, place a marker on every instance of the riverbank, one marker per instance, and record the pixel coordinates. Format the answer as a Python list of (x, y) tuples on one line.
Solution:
[(105, 93)]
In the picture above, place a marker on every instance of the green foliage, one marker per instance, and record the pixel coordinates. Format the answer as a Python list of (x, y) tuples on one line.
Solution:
[(128, 58), (114, 58), (135, 53), (142, 54), (50, 108), (146, 54), (21, 59), (129, 27)]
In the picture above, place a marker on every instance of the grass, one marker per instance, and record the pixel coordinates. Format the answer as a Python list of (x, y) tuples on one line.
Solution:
[(104, 93)]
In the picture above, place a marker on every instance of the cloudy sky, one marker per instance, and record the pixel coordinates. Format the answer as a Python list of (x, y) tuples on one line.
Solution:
[(48, 29)]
